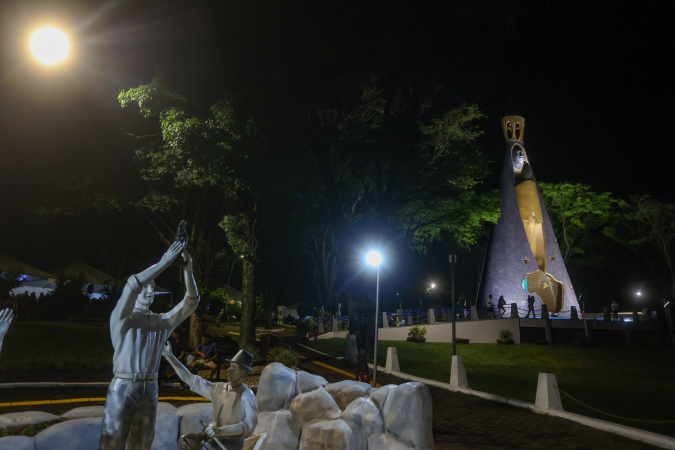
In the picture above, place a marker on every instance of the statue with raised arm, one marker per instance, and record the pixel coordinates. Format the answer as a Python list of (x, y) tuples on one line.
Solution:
[(235, 409), (138, 336), (6, 317)]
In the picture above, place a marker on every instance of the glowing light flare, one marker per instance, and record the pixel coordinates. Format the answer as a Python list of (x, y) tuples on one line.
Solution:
[(374, 258), (50, 46)]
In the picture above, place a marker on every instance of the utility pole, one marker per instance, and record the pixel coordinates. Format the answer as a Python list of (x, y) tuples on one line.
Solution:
[(453, 260)]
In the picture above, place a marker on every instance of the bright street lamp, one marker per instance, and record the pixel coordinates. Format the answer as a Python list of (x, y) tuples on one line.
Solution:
[(49, 45), (374, 259)]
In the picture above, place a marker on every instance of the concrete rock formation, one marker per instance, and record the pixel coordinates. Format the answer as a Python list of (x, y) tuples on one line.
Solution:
[(343, 415)]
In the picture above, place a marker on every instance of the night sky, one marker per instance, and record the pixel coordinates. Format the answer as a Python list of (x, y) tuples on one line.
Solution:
[(594, 80)]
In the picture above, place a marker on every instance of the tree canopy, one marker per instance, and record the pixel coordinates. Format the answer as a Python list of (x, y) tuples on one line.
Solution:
[(578, 215)]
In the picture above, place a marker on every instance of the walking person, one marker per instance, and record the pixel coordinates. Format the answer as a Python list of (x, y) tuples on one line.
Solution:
[(490, 307), (315, 332), (500, 304), (363, 372), (615, 310), (530, 306)]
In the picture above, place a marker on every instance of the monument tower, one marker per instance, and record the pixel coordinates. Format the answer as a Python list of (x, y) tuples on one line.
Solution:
[(523, 257)]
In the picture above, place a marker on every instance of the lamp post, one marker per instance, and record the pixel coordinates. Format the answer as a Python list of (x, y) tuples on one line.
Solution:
[(374, 259), (453, 260), (669, 320)]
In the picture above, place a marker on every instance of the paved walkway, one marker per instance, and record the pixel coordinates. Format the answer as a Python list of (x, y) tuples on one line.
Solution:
[(462, 421), (459, 420)]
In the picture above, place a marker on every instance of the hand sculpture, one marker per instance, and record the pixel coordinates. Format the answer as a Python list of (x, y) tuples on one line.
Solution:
[(6, 317)]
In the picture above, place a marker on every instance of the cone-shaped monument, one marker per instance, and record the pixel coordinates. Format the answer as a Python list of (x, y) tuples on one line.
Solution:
[(524, 257)]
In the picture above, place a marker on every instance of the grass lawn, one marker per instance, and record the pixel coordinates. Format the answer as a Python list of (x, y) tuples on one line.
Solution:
[(70, 344), (628, 381), (48, 345)]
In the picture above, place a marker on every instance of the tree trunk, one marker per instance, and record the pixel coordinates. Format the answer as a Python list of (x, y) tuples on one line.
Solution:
[(195, 331), (247, 331), (269, 318)]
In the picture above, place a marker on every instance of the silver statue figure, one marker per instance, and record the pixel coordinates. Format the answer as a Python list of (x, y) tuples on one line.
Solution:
[(138, 336), (235, 409)]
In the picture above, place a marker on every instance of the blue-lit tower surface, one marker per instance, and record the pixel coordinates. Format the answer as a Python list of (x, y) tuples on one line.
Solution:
[(523, 257)]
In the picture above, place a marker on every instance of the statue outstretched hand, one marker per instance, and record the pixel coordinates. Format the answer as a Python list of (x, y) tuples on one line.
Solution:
[(173, 251), (166, 350), (210, 431), (6, 317)]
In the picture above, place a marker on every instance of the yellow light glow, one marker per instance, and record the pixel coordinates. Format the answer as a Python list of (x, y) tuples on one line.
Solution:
[(50, 45)]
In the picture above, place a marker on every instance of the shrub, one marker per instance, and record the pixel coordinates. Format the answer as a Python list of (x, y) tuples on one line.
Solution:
[(417, 332), (506, 334), (286, 357)]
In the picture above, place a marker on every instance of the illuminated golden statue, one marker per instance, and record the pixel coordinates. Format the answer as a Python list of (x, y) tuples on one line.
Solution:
[(551, 291), (524, 255)]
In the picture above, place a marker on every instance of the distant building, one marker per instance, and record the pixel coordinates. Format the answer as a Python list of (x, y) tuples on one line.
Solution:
[(33, 280), (285, 311)]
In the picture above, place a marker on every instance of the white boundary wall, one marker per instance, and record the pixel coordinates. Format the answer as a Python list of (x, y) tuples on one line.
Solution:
[(480, 332)]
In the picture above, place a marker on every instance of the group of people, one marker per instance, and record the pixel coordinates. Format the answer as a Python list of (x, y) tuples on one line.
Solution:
[(203, 356), (501, 303)]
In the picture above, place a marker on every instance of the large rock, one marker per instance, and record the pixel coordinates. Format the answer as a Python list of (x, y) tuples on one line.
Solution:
[(379, 395), (17, 443), (276, 388), (282, 428), (307, 382), (315, 405), (84, 411), (192, 414), (328, 435), (364, 418), (345, 392), (73, 434), (20, 419), (388, 442), (413, 427), (166, 427)]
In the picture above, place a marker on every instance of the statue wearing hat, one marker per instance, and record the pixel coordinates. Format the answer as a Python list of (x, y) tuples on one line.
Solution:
[(235, 410)]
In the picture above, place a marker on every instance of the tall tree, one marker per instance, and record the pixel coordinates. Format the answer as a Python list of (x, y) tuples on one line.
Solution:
[(202, 150), (392, 164), (647, 227), (220, 152), (578, 216)]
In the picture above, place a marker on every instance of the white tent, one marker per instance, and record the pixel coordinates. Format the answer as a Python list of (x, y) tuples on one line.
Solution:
[(33, 280)]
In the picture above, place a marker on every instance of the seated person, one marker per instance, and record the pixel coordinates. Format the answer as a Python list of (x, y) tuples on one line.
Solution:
[(179, 350), (205, 354), (235, 409)]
